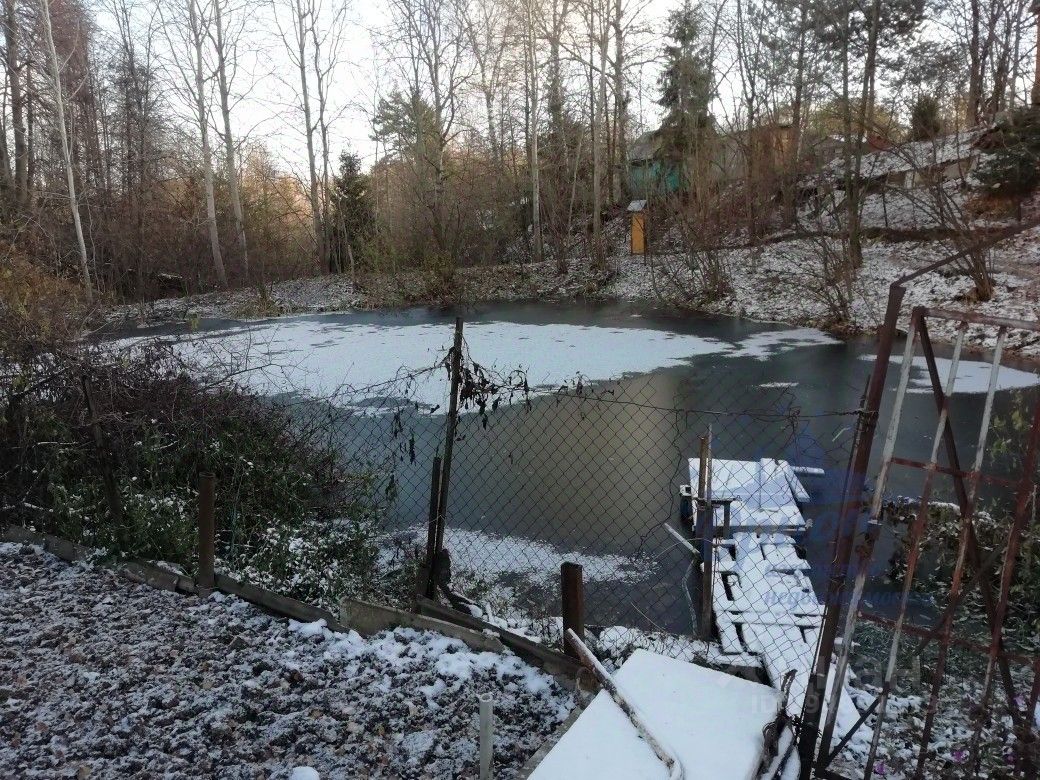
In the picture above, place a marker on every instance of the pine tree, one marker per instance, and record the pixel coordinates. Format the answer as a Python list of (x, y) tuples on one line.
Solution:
[(925, 123), (1013, 166), (352, 214), (686, 87)]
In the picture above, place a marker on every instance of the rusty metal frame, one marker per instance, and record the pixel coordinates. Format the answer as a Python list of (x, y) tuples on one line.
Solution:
[(851, 504), (966, 485), (846, 539)]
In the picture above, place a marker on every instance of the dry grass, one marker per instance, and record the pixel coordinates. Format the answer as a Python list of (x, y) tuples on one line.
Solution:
[(38, 310)]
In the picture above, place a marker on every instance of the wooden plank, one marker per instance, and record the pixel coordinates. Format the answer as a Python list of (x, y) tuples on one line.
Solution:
[(281, 605), (154, 577), (553, 662), (367, 619), (137, 571), (728, 636)]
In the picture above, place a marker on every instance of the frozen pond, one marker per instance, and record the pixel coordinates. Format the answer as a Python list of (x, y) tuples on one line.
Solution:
[(563, 478), (551, 344)]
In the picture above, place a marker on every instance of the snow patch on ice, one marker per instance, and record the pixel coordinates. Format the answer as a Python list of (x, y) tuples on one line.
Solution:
[(972, 375), (532, 559), (319, 354)]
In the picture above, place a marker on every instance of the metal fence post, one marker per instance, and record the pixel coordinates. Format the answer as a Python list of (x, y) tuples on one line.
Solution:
[(706, 534), (852, 504), (707, 573), (207, 532), (573, 595), (449, 443)]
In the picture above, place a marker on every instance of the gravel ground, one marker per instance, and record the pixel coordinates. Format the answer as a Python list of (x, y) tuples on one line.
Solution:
[(101, 677)]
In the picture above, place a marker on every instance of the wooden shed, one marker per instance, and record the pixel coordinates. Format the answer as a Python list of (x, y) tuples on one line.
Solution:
[(637, 241)]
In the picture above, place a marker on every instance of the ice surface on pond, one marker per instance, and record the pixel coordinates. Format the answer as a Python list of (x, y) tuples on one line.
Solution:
[(972, 375), (320, 354)]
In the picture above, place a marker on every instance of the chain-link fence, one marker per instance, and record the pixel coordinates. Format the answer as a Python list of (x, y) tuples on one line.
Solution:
[(325, 494), (607, 475)]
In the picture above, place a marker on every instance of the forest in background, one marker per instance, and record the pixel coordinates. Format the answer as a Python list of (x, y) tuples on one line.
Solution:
[(502, 128)]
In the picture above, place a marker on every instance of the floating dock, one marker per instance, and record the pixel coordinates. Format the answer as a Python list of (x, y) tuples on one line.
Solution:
[(757, 595), (762, 601)]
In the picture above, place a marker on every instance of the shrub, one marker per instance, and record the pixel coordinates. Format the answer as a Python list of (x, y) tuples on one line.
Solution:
[(291, 514), (37, 309)]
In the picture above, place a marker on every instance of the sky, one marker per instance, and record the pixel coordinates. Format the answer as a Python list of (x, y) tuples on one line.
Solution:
[(266, 80)]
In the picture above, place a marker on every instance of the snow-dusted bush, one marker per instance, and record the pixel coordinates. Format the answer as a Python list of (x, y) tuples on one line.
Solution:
[(291, 513)]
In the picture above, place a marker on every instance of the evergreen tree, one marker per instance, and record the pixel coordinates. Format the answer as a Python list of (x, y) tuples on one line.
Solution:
[(352, 214), (1013, 166), (925, 123), (686, 86)]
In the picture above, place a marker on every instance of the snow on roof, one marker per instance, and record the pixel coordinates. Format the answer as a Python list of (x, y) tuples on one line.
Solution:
[(711, 720), (911, 156), (644, 147)]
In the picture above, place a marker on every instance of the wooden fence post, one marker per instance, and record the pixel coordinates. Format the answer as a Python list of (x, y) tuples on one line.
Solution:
[(573, 595), (207, 532)]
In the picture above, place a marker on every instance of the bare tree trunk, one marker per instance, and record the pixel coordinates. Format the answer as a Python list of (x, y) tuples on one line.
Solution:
[(853, 191), (199, 65), (14, 82), (533, 86), (975, 65), (305, 99), (795, 152), (1034, 95), (230, 164), (59, 108), (620, 106), (598, 99), (560, 9)]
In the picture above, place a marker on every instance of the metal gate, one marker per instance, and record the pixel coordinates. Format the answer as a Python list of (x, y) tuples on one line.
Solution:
[(973, 567)]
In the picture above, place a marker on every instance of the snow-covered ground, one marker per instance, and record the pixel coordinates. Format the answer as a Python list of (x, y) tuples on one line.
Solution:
[(100, 677), (779, 283)]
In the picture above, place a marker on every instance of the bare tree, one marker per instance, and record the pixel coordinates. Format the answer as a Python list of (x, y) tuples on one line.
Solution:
[(187, 32), (224, 47), (302, 20), (596, 17), (16, 94), (489, 26), (59, 109), (1034, 93), (431, 49), (137, 117), (626, 20), (313, 38), (533, 88)]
